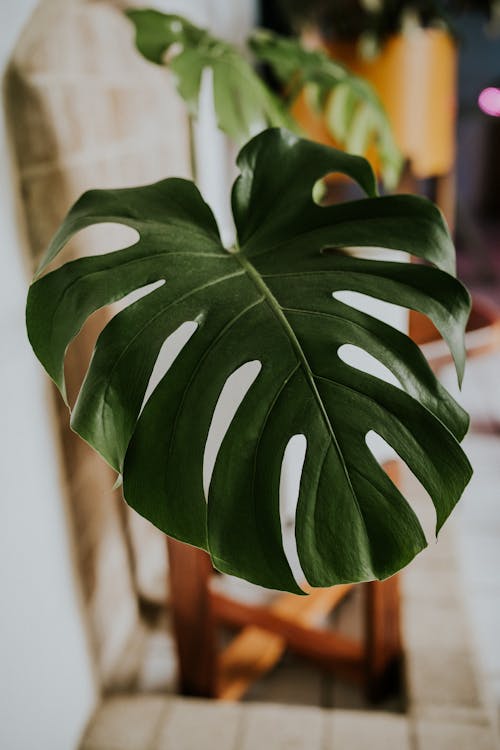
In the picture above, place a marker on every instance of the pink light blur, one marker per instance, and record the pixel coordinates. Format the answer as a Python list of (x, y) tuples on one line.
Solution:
[(489, 101)]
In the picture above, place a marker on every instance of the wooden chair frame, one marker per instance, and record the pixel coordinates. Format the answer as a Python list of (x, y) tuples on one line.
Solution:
[(265, 632)]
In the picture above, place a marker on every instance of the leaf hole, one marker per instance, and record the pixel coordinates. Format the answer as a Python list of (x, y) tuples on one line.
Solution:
[(361, 360), (334, 188), (394, 315), (415, 493), (175, 49), (368, 252), (80, 349), (99, 239), (170, 350), (291, 473), (232, 394), (136, 295)]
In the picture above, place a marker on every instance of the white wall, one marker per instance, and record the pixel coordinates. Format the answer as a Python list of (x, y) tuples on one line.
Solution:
[(47, 691)]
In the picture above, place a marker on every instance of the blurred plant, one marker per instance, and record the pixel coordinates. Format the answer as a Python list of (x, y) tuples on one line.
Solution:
[(245, 105), (353, 112)]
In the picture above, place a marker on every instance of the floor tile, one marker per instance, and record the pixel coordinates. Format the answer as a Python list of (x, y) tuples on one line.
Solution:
[(195, 724), (294, 681), (280, 728), (128, 723), (356, 730), (442, 677), (434, 735)]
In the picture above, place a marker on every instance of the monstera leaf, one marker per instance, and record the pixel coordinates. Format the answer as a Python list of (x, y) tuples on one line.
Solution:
[(354, 114), (269, 299), (243, 104)]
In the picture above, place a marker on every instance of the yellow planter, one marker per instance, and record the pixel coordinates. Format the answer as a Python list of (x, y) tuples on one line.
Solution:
[(415, 77)]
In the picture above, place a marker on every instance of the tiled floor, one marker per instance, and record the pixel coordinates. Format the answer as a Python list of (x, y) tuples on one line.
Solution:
[(447, 709), (147, 723)]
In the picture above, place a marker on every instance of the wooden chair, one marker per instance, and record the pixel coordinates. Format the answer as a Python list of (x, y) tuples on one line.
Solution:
[(265, 632)]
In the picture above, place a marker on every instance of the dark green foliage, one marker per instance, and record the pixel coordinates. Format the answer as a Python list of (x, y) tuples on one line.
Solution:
[(269, 299)]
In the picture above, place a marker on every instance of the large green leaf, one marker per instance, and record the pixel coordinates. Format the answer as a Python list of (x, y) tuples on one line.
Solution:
[(353, 111), (269, 299), (243, 104)]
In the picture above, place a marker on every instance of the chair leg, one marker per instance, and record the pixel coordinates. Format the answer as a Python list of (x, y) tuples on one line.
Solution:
[(445, 197), (193, 621), (383, 646)]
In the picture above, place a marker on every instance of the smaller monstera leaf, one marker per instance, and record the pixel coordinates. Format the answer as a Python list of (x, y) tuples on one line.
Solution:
[(271, 299), (243, 104), (353, 112)]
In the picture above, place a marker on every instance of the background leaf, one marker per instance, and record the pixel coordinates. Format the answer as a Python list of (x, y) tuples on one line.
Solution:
[(243, 104), (353, 112)]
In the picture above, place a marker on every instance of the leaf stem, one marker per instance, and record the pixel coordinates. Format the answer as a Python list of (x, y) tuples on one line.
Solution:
[(192, 150)]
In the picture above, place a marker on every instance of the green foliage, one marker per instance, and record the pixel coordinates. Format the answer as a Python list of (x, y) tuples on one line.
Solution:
[(243, 104), (268, 299), (354, 114)]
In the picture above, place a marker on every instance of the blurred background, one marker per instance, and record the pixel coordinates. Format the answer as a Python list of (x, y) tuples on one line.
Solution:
[(91, 631)]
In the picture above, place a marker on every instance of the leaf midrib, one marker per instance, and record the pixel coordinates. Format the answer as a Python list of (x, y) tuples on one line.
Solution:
[(310, 378)]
